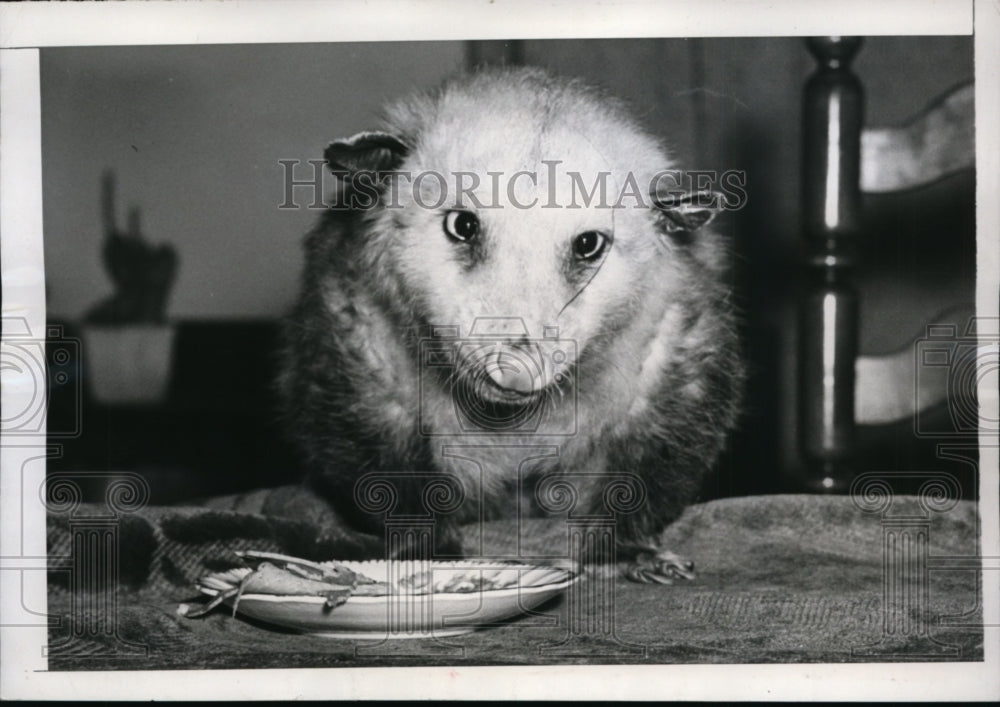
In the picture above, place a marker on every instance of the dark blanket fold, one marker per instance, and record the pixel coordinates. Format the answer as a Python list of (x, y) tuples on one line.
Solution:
[(780, 579)]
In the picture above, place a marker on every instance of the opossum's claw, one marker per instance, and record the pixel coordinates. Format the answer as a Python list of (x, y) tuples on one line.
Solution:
[(659, 566)]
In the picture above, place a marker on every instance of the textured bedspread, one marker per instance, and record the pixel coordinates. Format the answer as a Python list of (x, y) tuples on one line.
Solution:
[(780, 579)]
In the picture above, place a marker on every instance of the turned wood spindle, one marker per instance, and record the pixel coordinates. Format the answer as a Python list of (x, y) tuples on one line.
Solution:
[(832, 120)]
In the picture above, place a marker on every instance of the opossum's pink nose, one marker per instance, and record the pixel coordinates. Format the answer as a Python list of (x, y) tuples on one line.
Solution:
[(517, 368)]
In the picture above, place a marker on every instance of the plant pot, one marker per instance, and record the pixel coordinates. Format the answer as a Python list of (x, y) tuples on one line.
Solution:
[(128, 364)]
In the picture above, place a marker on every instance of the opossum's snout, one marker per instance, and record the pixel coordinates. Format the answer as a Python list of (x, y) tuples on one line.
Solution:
[(518, 368), (514, 370)]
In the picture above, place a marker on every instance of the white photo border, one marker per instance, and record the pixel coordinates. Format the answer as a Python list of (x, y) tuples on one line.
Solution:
[(26, 27)]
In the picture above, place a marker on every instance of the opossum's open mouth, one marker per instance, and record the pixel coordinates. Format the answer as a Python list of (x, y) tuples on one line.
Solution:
[(478, 388), (488, 389), (504, 386), (492, 407), (503, 373)]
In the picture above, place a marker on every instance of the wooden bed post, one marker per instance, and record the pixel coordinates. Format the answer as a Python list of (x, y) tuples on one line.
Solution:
[(832, 119)]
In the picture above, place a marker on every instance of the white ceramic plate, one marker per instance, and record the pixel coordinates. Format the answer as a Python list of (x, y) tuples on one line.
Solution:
[(515, 589)]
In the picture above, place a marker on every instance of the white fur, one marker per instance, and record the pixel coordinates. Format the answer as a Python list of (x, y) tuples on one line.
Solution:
[(646, 324)]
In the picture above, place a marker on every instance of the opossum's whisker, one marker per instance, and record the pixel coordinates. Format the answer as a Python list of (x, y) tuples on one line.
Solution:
[(589, 280)]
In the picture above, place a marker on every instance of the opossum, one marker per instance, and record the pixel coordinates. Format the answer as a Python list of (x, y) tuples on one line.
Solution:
[(515, 333)]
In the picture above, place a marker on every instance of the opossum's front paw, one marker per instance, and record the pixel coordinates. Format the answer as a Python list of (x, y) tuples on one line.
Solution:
[(654, 564)]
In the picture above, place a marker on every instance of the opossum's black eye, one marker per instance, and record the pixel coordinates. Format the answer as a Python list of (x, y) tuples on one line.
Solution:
[(461, 225), (589, 245)]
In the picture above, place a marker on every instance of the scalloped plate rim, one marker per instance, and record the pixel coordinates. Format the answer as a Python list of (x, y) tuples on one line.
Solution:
[(569, 575), (380, 598), (564, 577)]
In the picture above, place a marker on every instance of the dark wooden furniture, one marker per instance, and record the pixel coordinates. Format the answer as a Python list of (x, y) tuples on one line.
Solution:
[(838, 389), (217, 430)]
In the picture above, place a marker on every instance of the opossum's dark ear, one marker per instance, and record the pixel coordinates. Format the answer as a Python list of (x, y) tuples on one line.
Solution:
[(687, 212), (371, 151)]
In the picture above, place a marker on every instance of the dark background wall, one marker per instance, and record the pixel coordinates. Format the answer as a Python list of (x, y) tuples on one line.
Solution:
[(194, 135)]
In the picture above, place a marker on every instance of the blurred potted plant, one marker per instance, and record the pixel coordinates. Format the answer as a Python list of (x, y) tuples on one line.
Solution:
[(128, 342)]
